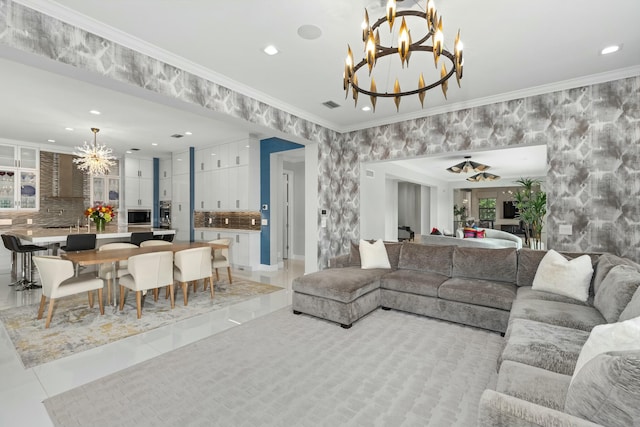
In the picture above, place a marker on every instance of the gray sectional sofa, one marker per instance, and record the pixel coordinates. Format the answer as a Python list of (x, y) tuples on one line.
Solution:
[(492, 289)]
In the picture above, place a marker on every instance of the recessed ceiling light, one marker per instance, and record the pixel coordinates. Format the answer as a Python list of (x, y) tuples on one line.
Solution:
[(270, 50), (366, 108), (309, 32), (154, 144), (188, 133), (179, 160), (610, 49), (69, 129), (51, 140), (128, 152), (96, 112)]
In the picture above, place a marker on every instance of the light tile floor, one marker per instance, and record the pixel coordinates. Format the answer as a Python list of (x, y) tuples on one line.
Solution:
[(23, 390)]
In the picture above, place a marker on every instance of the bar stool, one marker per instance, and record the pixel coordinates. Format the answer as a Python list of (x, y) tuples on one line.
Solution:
[(13, 244), (139, 237), (79, 242)]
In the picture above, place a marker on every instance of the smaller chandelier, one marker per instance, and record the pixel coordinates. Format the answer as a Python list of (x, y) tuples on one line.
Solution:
[(468, 166), (94, 159), (375, 49), (484, 176)]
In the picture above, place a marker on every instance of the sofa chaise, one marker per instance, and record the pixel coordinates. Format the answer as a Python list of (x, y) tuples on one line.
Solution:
[(545, 332)]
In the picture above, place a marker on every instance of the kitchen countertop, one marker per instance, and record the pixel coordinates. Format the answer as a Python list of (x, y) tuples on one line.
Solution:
[(226, 230), (59, 235)]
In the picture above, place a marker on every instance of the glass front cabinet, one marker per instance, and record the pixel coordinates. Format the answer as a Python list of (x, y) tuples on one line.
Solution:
[(105, 190), (19, 178)]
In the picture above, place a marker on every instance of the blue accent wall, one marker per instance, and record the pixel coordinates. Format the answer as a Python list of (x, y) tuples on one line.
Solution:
[(192, 197), (156, 192), (268, 146)]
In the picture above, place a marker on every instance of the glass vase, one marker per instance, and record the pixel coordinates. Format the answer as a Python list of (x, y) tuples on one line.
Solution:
[(100, 223)]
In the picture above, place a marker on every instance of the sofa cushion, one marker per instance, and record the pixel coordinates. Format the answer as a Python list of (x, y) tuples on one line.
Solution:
[(564, 277), (413, 282), (373, 255), (479, 292), (557, 313), (499, 265), (433, 258), (533, 384), (604, 265), (633, 308), (551, 347), (607, 390), (618, 336), (616, 290), (339, 284), (526, 292)]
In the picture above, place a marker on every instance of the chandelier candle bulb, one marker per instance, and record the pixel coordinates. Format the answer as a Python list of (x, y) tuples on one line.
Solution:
[(391, 13)]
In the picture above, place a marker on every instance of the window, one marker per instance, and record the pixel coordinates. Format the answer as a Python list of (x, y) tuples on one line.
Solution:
[(487, 209)]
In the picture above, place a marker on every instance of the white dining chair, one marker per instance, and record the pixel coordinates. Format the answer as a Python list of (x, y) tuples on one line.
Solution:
[(105, 271), (147, 271), (220, 257), (58, 278), (191, 265), (155, 242)]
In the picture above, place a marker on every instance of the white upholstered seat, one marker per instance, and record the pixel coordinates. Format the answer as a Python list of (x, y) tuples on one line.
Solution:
[(155, 242), (220, 258), (147, 271), (192, 265), (59, 280), (105, 271)]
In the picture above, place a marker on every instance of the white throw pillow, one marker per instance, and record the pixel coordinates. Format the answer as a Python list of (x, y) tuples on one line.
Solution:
[(618, 336), (373, 255), (561, 276)]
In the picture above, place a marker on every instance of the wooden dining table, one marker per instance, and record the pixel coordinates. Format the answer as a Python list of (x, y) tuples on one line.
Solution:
[(113, 256)]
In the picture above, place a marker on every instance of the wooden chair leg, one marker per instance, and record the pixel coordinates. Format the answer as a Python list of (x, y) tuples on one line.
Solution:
[(229, 273), (109, 291), (139, 303), (43, 299), (49, 314), (90, 293), (194, 283), (156, 292), (217, 276), (170, 289), (166, 291), (210, 279), (100, 302), (185, 291), (121, 297)]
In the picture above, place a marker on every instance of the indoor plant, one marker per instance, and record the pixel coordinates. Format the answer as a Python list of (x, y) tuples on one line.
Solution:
[(531, 202), (100, 215)]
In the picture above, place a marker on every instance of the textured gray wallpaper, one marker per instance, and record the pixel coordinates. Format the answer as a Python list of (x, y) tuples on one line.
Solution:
[(592, 135), (593, 147)]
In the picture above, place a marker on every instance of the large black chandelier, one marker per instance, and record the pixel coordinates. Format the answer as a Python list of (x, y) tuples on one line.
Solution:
[(374, 50)]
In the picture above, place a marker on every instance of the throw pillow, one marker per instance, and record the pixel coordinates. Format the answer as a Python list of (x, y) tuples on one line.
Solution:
[(469, 232), (561, 276), (615, 291), (480, 234), (632, 309), (618, 336), (373, 255)]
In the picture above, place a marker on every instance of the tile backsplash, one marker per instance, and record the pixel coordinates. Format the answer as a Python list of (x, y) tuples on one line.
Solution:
[(244, 220)]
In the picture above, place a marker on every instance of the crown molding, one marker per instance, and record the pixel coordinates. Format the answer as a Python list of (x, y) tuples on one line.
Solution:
[(84, 22), (592, 79)]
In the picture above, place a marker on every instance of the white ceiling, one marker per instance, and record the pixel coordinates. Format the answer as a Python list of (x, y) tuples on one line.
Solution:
[(512, 49)]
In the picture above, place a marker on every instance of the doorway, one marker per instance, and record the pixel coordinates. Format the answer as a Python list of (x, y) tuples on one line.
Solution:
[(287, 218)]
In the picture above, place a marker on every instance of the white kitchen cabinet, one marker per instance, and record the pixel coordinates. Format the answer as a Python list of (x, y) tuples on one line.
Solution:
[(138, 184), (19, 178), (105, 190), (164, 179), (180, 196), (204, 191), (220, 156)]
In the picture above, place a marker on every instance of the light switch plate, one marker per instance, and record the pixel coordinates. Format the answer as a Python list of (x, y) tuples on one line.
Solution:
[(565, 229), (265, 222), (6, 221), (29, 221)]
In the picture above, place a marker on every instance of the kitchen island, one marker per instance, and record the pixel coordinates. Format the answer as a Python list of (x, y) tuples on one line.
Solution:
[(47, 236)]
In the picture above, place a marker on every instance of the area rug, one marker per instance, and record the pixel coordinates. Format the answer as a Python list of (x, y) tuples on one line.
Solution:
[(75, 327), (389, 369)]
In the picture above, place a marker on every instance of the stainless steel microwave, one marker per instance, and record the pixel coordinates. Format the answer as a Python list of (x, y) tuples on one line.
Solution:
[(139, 216)]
